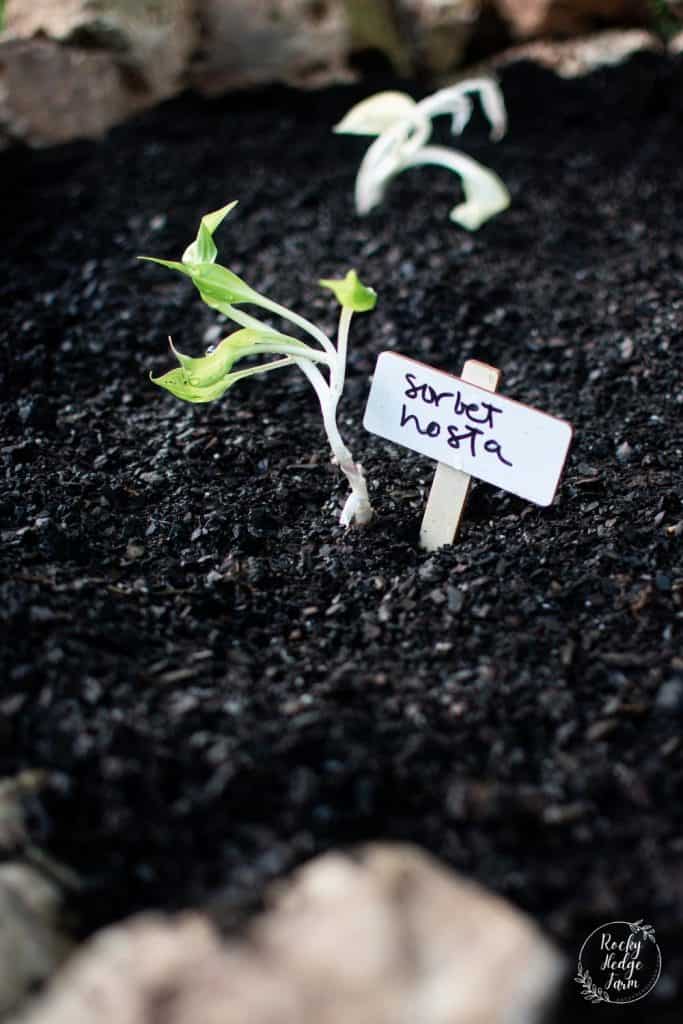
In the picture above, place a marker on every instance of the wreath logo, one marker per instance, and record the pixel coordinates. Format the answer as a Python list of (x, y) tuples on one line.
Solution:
[(620, 962)]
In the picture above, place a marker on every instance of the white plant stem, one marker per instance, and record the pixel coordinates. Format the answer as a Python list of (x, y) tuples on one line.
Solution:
[(277, 347), (339, 376), (300, 321), (357, 507), (252, 371)]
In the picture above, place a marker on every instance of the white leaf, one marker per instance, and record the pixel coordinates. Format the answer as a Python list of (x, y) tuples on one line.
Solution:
[(377, 113), (485, 193), (485, 196)]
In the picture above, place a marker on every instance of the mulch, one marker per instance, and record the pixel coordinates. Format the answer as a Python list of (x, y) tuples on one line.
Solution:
[(219, 681)]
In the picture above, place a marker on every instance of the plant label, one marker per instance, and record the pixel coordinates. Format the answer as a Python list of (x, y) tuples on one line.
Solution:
[(467, 427), (451, 487)]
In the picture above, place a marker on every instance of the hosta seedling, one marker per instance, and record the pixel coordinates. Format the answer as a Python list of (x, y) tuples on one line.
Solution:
[(205, 378), (403, 128)]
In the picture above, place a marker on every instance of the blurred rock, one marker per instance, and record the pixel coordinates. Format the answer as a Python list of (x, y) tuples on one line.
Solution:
[(573, 57), (415, 35), (150, 41), (384, 937), (15, 792), (147, 969), (31, 945), (526, 18), (310, 44), (376, 26), (300, 42), (12, 823), (72, 68), (440, 32), (50, 93), (398, 937)]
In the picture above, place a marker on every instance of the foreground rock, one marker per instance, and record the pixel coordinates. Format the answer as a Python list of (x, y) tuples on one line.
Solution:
[(31, 944), (13, 791), (386, 937)]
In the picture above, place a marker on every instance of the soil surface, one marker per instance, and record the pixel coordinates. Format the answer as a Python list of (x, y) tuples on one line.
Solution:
[(219, 680)]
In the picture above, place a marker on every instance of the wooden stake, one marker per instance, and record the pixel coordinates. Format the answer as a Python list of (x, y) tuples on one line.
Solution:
[(451, 487)]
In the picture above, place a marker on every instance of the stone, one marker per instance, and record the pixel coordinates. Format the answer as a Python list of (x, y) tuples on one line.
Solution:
[(31, 944), (415, 35), (574, 57), (377, 26), (51, 93), (14, 790), (300, 42), (384, 936), (440, 32), (526, 18), (150, 41), (404, 938), (73, 68), (670, 696)]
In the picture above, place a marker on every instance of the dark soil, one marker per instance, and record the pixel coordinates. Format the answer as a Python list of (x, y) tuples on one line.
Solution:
[(218, 679)]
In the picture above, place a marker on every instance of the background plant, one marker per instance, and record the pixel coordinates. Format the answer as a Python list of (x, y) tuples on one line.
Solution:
[(403, 129)]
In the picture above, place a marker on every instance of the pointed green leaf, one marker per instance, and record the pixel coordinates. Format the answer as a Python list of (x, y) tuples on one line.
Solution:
[(375, 114), (190, 389), (351, 293), (219, 287), (212, 221), (203, 371), (203, 249), (204, 378), (171, 264), (177, 383)]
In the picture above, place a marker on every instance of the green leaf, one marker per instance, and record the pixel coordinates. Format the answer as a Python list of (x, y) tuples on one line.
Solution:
[(206, 378), (351, 293), (204, 371), (203, 249), (177, 383), (212, 221), (219, 287), (171, 264)]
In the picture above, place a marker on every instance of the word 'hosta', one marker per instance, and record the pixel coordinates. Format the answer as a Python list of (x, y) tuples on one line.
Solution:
[(403, 128), (205, 378)]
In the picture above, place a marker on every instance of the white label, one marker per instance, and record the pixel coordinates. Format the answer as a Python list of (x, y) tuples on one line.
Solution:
[(479, 432)]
